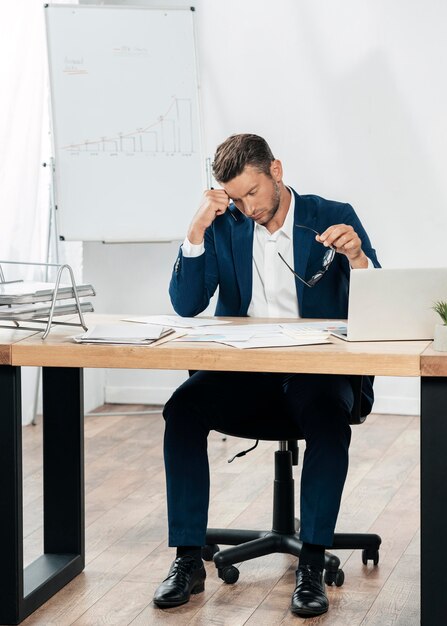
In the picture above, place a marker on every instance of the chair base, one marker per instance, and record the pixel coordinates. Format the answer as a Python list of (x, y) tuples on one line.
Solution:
[(284, 536), (250, 544)]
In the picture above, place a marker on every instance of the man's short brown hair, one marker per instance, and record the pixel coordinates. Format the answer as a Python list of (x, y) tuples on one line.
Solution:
[(238, 151)]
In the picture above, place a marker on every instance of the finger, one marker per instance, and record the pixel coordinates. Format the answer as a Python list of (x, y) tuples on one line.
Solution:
[(352, 244), (333, 233), (325, 234), (344, 240), (217, 200), (350, 248), (330, 236)]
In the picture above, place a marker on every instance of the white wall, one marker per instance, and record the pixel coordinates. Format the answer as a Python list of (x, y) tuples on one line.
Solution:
[(351, 96)]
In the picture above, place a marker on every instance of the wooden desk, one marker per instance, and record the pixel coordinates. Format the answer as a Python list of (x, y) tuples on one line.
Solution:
[(63, 362), (433, 484), (7, 338), (386, 358), (433, 363)]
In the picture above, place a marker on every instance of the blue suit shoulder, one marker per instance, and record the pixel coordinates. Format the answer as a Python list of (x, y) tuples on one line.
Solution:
[(326, 212), (323, 203)]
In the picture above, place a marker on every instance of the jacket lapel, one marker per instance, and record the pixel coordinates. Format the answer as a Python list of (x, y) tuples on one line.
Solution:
[(302, 242), (242, 250)]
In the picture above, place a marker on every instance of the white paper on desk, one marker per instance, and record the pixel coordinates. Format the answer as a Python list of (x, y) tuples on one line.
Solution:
[(240, 330), (272, 337), (175, 321), (327, 325), (278, 341), (217, 337), (260, 335), (123, 333), (235, 332), (306, 335)]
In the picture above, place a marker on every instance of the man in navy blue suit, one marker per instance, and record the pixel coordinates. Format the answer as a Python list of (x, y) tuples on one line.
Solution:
[(270, 253)]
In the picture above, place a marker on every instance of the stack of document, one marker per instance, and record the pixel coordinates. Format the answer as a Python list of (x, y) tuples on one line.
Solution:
[(27, 292), (136, 334), (39, 311), (27, 300)]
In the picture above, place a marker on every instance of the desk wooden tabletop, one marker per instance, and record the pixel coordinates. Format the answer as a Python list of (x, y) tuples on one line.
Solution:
[(8, 337), (400, 358), (433, 363)]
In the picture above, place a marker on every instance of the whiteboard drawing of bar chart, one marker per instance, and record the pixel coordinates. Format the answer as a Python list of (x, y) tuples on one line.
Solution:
[(171, 133), (125, 122)]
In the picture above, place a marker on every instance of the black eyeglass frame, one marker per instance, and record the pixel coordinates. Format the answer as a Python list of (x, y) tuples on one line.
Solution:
[(327, 260)]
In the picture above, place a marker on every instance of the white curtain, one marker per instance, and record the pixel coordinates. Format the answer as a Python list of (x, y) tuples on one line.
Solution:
[(24, 147), (24, 140)]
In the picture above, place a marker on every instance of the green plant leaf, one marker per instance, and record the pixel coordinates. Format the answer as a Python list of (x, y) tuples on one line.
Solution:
[(440, 307)]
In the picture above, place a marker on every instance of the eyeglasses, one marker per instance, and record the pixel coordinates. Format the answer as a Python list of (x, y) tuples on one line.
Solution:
[(327, 260)]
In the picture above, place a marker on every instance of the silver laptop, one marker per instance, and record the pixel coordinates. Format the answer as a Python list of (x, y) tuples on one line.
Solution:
[(393, 304)]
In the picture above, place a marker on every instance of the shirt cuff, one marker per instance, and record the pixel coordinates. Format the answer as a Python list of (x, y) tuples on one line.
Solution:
[(370, 264), (192, 249)]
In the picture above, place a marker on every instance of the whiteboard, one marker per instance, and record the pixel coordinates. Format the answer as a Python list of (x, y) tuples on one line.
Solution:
[(125, 121)]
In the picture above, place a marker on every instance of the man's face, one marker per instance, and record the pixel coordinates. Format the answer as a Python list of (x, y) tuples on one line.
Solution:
[(255, 194)]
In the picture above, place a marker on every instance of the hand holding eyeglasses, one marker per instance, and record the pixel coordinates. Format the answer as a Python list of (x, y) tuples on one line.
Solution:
[(337, 238), (344, 239)]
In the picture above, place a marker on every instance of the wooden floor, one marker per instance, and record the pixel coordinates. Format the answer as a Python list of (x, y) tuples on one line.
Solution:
[(127, 554)]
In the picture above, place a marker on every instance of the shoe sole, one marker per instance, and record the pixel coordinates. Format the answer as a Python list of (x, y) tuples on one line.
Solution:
[(169, 605), (309, 613)]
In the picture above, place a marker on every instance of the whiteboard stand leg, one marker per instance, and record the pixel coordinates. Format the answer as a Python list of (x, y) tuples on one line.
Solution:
[(52, 238), (36, 396)]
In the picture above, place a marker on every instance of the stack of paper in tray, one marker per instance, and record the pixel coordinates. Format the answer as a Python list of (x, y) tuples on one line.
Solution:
[(32, 300)]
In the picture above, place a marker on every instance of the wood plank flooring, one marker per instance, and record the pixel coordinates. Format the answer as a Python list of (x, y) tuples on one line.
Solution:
[(126, 549)]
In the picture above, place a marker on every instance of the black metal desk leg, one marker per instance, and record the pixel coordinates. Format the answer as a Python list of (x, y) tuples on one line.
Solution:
[(11, 502), (63, 454), (23, 591), (433, 499)]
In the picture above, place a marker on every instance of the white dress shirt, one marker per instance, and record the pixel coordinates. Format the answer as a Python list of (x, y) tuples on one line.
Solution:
[(274, 290)]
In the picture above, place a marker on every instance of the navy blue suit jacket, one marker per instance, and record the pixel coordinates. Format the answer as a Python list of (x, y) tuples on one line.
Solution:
[(227, 264)]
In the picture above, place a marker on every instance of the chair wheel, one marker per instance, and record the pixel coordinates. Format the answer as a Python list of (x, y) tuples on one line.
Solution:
[(209, 551), (370, 555), (228, 574), (337, 577)]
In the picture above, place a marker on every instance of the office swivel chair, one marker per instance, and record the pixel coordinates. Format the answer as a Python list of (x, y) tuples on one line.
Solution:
[(284, 535)]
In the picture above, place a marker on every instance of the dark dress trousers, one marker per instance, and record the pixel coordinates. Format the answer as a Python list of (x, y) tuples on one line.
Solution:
[(252, 404)]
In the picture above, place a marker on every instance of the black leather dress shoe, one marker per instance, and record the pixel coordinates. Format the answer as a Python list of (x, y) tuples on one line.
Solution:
[(309, 597), (186, 576)]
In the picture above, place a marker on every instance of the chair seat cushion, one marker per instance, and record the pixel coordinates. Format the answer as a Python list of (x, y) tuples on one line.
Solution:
[(268, 431)]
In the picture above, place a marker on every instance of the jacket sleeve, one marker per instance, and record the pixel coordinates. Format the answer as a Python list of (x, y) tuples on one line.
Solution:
[(355, 222), (349, 216), (194, 280)]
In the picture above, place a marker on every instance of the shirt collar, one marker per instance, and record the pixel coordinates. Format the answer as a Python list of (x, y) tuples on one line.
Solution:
[(287, 227)]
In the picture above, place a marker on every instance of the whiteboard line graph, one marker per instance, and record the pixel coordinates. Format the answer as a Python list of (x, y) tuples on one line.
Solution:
[(171, 133)]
